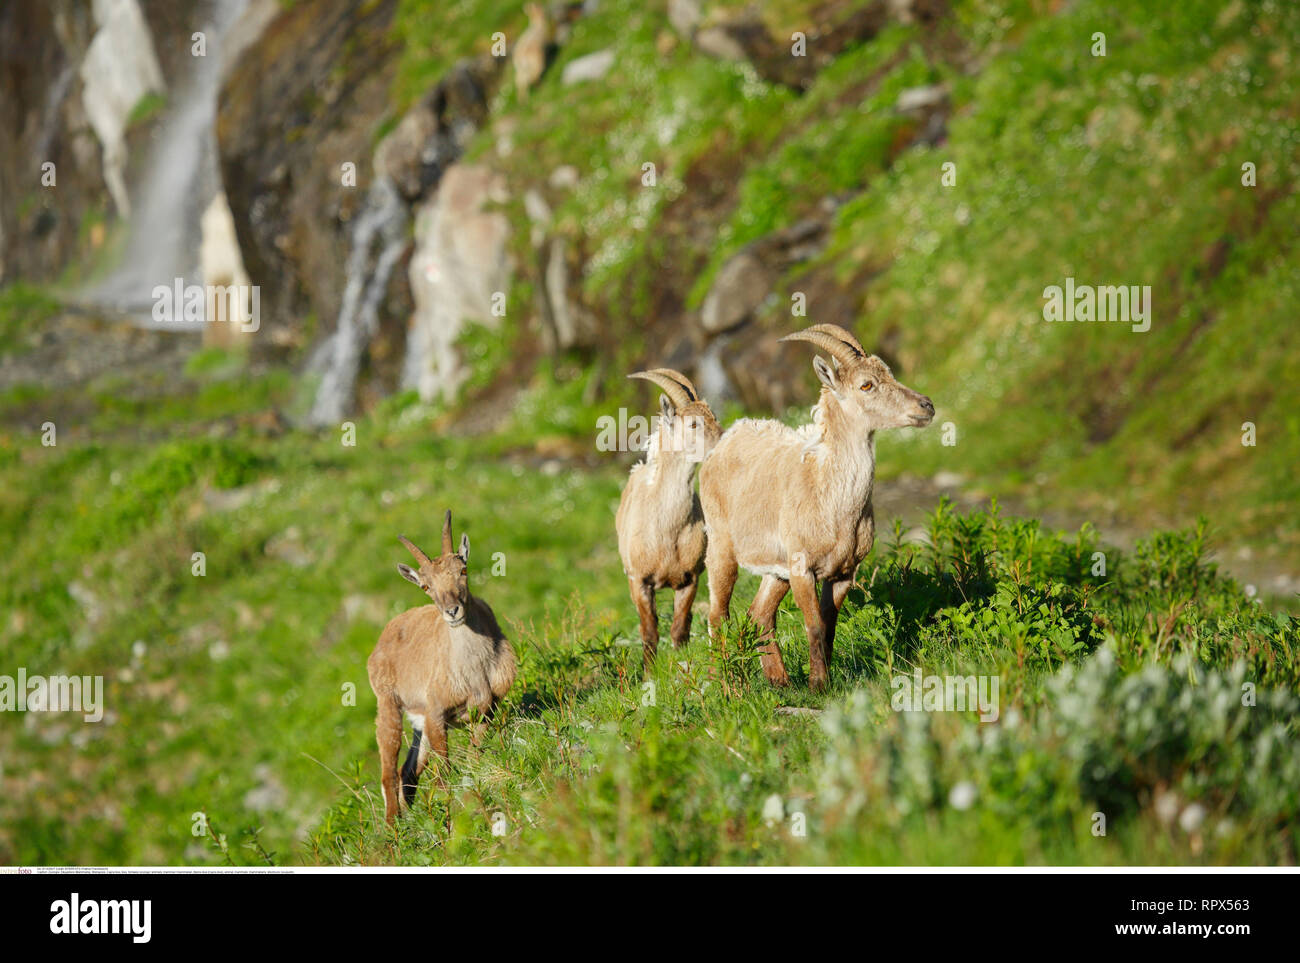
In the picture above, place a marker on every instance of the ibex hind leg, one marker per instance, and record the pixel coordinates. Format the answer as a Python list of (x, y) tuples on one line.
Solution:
[(720, 560), (388, 735), (413, 767), (643, 595), (683, 599)]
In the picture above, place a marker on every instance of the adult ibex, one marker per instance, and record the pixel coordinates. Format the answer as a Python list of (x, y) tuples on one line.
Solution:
[(794, 505), (660, 527)]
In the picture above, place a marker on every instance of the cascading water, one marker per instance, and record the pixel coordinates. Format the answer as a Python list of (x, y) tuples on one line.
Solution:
[(377, 242), (179, 179)]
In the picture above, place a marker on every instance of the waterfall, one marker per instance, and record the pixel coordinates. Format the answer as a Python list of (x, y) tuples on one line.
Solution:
[(179, 179), (376, 244)]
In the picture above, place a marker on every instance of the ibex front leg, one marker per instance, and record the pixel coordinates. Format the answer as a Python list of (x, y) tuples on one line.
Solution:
[(763, 611), (805, 595), (483, 708), (436, 732), (833, 595)]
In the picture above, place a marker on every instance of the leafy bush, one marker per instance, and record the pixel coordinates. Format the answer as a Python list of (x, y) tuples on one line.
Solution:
[(1174, 743)]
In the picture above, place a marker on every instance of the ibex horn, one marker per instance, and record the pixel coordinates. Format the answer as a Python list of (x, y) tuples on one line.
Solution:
[(414, 550), (840, 343), (676, 385), (446, 534)]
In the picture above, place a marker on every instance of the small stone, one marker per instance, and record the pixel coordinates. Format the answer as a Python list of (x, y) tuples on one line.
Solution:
[(718, 43), (962, 796), (591, 67), (1166, 807), (921, 98), (684, 15), (564, 177), (739, 288)]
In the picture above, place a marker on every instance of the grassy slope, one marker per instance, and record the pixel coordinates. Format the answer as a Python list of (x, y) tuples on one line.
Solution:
[(1123, 169), (230, 684), (221, 688), (1117, 170)]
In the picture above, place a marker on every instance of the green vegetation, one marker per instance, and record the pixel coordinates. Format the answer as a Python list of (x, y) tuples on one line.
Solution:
[(1143, 685), (24, 309), (146, 108), (1123, 169), (298, 535), (1117, 170)]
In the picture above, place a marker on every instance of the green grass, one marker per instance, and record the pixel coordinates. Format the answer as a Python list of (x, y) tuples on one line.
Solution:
[(1123, 169), (1155, 693), (147, 108), (24, 309), (1117, 170), (228, 694)]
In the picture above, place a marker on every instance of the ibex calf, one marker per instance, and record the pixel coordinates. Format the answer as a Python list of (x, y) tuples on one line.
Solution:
[(794, 505), (659, 523), (436, 663)]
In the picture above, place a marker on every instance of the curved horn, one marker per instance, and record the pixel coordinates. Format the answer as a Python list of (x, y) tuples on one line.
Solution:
[(446, 534), (414, 550), (676, 385), (840, 343)]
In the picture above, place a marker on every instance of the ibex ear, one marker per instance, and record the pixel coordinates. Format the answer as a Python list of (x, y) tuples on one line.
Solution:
[(826, 374), (667, 409), (410, 574), (464, 547)]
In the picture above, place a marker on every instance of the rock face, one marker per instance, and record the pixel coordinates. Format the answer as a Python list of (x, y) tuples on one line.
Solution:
[(748, 276), (324, 214), (114, 84), (731, 34), (74, 74), (741, 286), (432, 134), (301, 102), (40, 104), (458, 268)]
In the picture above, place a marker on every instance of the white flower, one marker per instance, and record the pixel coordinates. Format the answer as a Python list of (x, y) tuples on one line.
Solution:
[(773, 810), (1192, 818), (962, 796)]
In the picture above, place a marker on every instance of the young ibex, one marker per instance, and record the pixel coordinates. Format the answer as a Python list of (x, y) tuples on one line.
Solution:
[(436, 663), (659, 523), (794, 506)]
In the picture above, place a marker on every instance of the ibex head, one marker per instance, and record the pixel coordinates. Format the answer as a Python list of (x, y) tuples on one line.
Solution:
[(862, 383), (444, 579), (687, 423)]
